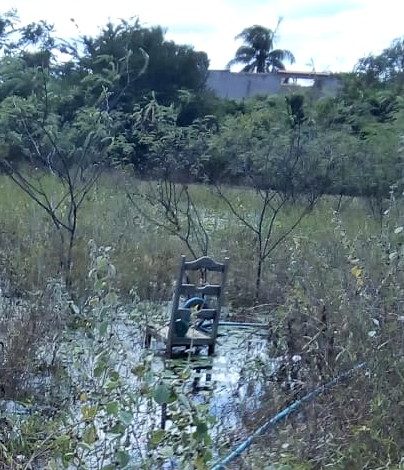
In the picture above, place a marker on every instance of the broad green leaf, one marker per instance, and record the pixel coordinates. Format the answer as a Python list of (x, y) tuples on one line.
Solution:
[(111, 385), (103, 328), (90, 435), (114, 375), (157, 436), (163, 394), (101, 263), (126, 417), (201, 428), (117, 428), (122, 458), (100, 368), (138, 370), (112, 408)]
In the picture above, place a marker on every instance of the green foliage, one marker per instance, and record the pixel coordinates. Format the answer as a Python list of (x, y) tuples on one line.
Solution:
[(170, 66), (274, 146), (325, 264), (99, 95), (101, 412), (386, 68), (161, 147), (335, 300), (258, 53)]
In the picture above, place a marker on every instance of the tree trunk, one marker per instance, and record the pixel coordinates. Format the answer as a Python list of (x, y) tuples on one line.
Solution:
[(258, 280), (69, 260)]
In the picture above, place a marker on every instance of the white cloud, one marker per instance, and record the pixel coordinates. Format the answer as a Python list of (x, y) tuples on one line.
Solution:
[(334, 33)]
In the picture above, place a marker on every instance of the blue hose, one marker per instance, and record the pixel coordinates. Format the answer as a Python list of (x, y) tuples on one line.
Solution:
[(181, 325), (283, 414)]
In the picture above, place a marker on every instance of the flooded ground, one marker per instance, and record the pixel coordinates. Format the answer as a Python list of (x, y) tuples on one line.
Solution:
[(224, 381), (107, 384)]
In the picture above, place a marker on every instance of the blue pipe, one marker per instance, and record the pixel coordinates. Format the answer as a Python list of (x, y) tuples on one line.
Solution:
[(195, 302), (283, 414)]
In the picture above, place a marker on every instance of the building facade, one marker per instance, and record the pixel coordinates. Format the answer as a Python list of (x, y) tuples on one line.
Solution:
[(240, 85)]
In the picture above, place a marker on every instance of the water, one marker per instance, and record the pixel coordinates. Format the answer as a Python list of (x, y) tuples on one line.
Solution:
[(232, 381), (229, 384)]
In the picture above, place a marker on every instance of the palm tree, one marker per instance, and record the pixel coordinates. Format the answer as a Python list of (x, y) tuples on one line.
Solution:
[(258, 51)]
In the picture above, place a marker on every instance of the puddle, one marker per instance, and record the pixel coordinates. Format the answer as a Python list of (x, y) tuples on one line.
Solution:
[(229, 382)]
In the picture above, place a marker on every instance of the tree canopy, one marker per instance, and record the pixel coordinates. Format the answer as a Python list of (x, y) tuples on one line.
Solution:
[(385, 68), (258, 53), (170, 66), (142, 99)]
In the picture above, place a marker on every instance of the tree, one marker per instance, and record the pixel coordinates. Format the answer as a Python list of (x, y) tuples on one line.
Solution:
[(386, 68), (69, 154), (7, 27), (258, 53), (173, 153), (277, 151), (170, 67), (69, 151)]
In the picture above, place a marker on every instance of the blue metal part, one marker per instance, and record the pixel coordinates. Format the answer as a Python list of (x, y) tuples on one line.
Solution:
[(283, 414), (181, 325)]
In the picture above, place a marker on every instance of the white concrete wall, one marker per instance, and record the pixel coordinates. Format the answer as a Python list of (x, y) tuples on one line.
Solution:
[(236, 86)]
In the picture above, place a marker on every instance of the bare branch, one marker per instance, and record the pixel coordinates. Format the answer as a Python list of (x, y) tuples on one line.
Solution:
[(291, 228), (234, 211)]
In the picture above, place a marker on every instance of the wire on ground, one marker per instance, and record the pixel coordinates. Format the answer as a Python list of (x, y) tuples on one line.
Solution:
[(283, 414)]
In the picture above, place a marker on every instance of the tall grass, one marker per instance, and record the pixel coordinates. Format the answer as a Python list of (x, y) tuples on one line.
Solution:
[(146, 256), (332, 294)]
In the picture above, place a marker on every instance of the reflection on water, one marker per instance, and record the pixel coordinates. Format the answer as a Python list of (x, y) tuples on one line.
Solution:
[(231, 382)]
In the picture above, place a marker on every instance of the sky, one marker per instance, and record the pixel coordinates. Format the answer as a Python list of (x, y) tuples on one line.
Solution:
[(324, 35)]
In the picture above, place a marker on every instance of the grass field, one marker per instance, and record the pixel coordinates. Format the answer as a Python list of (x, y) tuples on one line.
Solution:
[(332, 294), (146, 256)]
